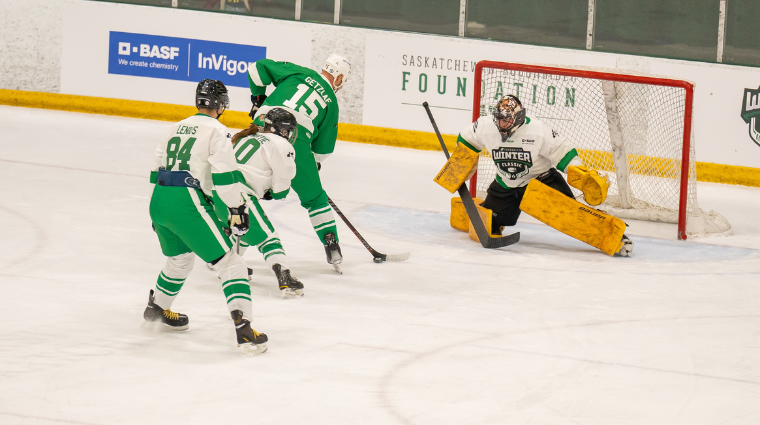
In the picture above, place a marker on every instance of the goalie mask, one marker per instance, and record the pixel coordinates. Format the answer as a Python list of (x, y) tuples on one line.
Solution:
[(337, 65), (212, 94), (282, 123), (508, 115)]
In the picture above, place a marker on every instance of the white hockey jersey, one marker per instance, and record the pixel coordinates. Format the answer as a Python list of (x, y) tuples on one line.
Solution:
[(529, 152), (268, 162), (201, 146)]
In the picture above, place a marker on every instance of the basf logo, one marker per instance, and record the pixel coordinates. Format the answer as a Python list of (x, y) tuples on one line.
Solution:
[(183, 59)]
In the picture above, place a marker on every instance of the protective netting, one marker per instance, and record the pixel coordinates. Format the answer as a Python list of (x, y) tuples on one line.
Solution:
[(643, 122)]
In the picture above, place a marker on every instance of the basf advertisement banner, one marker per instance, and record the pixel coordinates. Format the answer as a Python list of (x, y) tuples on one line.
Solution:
[(184, 59), (404, 70), (159, 54)]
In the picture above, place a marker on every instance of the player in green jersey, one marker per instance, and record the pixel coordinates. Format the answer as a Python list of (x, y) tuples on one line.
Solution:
[(194, 160), (310, 97)]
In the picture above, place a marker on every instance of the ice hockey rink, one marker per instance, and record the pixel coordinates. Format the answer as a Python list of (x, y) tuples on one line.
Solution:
[(547, 331)]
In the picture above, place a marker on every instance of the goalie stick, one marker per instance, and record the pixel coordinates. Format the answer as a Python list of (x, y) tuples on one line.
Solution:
[(378, 257), (469, 205)]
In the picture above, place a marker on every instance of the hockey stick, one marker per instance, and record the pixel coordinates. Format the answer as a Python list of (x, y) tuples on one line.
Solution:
[(378, 257), (469, 205)]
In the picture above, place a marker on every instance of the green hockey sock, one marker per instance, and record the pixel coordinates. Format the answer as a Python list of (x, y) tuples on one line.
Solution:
[(323, 221)]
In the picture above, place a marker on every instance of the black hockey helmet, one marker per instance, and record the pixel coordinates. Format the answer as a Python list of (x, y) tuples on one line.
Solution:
[(211, 94), (509, 109), (282, 123)]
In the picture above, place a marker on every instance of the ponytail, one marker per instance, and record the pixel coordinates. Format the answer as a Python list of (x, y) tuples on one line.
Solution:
[(253, 129)]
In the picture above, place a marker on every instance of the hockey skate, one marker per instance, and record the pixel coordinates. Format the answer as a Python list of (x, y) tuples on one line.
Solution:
[(332, 249), (289, 286), (249, 341), (626, 250), (154, 315)]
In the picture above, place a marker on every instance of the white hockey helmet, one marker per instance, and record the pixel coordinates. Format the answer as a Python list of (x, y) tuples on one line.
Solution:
[(337, 65)]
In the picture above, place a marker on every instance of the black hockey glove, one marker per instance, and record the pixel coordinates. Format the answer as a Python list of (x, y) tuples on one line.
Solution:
[(267, 195), (239, 223), (257, 101)]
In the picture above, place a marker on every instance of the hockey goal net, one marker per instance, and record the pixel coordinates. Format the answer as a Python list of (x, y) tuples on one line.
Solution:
[(634, 129)]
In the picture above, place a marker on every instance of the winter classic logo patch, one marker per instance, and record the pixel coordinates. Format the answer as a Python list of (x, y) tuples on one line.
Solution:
[(751, 113), (514, 162)]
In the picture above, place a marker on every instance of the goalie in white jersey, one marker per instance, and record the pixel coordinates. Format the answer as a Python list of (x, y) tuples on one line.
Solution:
[(267, 161), (194, 160), (523, 149)]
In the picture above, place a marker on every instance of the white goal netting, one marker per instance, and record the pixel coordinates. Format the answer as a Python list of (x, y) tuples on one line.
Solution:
[(632, 132)]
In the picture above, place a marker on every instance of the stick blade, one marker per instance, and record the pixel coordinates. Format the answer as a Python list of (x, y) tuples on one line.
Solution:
[(398, 257), (493, 243)]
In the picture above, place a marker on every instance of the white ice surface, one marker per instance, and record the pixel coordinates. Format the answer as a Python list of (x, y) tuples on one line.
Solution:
[(548, 331)]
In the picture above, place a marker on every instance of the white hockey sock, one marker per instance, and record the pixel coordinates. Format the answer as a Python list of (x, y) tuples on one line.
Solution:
[(273, 251), (280, 259), (234, 275), (172, 277)]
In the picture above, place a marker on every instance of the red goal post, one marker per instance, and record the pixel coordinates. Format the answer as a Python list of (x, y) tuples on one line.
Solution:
[(635, 129)]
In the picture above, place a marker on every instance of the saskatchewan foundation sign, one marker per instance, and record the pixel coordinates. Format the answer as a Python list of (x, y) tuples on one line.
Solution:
[(403, 71)]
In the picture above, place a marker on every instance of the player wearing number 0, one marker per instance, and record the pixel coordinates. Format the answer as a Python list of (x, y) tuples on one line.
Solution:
[(310, 97), (526, 150), (193, 160), (267, 161)]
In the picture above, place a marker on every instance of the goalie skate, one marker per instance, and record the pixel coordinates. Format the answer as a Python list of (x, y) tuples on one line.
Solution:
[(155, 315), (289, 286), (249, 341), (626, 250)]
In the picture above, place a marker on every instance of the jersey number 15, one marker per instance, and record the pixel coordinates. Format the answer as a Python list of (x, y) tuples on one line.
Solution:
[(309, 107)]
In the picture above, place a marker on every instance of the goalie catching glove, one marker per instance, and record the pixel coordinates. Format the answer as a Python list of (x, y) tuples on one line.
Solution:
[(593, 186), (239, 222)]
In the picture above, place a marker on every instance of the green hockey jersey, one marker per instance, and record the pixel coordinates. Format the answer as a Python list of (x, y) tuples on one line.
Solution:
[(303, 92)]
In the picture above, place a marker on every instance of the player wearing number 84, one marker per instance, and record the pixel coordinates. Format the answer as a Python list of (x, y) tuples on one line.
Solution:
[(194, 160)]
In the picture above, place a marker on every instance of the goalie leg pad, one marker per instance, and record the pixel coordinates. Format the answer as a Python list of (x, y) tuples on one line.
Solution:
[(459, 219), (572, 218), (457, 169), (486, 216), (593, 186)]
